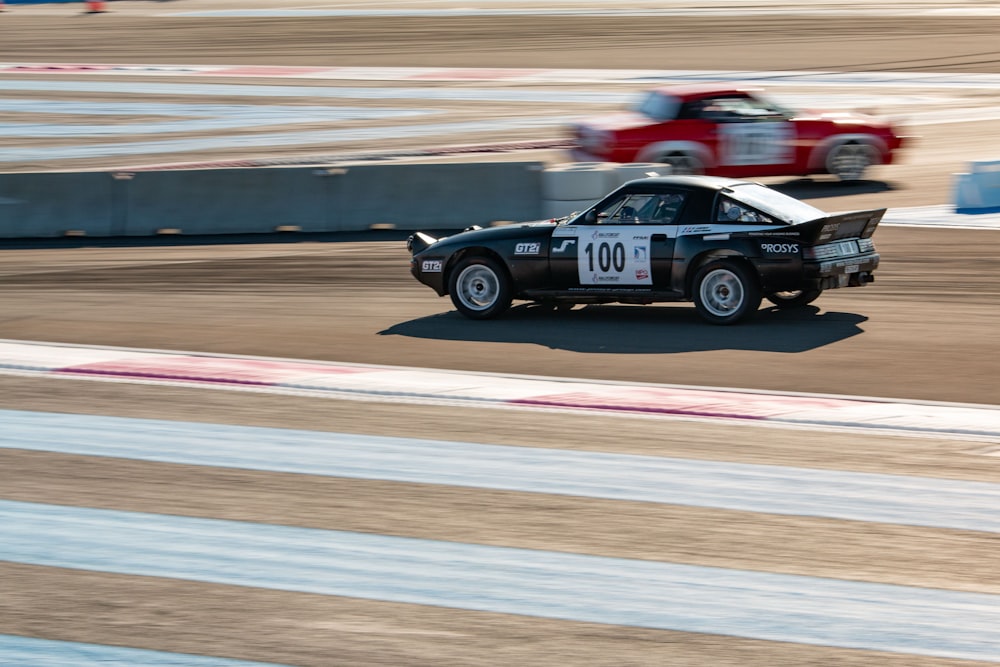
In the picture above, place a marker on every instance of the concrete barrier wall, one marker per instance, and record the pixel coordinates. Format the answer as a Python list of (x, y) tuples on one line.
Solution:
[(262, 200), (225, 201), (52, 204)]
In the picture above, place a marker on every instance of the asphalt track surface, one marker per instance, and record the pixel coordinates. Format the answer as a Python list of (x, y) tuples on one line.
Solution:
[(926, 329)]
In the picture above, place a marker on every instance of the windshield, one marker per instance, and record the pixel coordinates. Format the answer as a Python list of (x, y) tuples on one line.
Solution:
[(658, 106), (774, 203)]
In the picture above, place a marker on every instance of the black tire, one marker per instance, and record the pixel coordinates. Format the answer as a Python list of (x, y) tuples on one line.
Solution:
[(794, 299), (726, 292), (850, 161), (480, 288)]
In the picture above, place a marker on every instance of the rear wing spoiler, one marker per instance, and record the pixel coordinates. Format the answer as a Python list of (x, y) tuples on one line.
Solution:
[(854, 224)]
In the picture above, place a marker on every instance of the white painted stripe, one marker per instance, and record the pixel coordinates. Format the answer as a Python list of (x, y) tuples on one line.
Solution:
[(32, 652), (183, 117), (644, 77), (441, 387), (616, 591), (941, 216), (896, 499), (268, 91)]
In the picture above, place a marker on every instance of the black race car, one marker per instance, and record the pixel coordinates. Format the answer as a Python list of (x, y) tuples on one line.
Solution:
[(724, 244)]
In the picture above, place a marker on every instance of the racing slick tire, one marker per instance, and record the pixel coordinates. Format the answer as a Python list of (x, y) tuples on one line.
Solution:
[(850, 161), (793, 299), (726, 292), (683, 164), (480, 287)]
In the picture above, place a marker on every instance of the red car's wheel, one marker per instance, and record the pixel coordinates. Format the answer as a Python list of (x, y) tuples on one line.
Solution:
[(849, 161), (683, 164)]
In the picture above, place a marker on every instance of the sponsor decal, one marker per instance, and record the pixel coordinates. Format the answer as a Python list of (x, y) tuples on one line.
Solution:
[(780, 248), (605, 235), (564, 245), (606, 279), (565, 231), (639, 253), (431, 266), (716, 237), (698, 229), (641, 274), (848, 247), (527, 248)]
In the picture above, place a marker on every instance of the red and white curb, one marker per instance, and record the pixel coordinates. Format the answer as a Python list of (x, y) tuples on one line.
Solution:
[(465, 389)]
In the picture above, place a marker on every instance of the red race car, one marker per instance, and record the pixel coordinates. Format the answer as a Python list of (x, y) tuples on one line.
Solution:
[(726, 131)]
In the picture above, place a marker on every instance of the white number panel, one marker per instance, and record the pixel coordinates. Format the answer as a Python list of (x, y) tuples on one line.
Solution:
[(616, 255), (755, 143)]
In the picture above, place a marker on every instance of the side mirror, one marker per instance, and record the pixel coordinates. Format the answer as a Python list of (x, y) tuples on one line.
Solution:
[(590, 217)]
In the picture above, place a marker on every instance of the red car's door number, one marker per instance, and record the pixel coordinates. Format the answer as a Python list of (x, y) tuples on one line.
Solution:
[(755, 143)]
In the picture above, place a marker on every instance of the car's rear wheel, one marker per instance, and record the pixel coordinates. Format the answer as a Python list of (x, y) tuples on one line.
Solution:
[(794, 299), (480, 288), (683, 164), (726, 292), (850, 161)]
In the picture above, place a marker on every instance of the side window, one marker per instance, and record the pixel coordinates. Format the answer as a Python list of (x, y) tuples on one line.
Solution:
[(667, 208), (641, 209), (720, 109), (728, 210)]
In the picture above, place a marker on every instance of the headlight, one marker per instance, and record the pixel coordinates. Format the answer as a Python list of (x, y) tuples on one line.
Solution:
[(595, 141)]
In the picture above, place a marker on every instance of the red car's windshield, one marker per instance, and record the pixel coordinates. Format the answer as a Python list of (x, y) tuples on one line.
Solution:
[(657, 106)]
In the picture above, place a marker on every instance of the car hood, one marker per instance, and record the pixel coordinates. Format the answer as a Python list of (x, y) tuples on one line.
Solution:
[(844, 117), (624, 120), (421, 241)]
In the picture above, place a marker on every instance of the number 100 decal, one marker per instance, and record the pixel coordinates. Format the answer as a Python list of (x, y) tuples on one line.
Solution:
[(608, 260)]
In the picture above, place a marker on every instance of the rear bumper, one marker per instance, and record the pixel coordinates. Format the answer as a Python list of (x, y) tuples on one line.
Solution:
[(856, 271)]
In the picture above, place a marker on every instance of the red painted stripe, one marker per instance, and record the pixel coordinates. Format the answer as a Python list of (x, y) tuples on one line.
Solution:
[(208, 369), (686, 402)]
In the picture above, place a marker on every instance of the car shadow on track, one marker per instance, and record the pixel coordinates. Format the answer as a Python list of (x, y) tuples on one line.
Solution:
[(621, 329)]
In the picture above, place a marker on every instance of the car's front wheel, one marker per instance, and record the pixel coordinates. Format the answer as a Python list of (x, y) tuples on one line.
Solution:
[(683, 164), (794, 299), (480, 288), (726, 292)]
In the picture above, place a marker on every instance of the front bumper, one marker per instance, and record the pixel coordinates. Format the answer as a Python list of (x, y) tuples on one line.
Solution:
[(430, 272)]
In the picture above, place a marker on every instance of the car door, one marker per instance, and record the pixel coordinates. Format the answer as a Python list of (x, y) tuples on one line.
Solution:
[(627, 244), (753, 137)]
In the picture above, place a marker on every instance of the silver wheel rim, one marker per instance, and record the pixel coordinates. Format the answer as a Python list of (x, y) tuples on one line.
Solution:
[(850, 161), (721, 292), (478, 287)]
